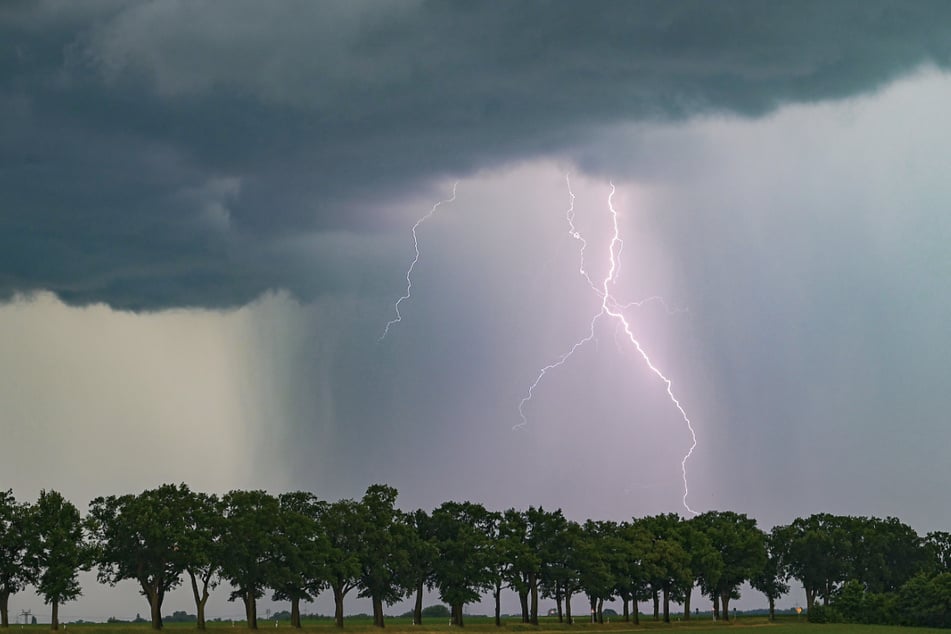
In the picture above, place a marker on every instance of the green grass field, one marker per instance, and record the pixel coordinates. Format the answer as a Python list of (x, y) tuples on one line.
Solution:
[(481, 624)]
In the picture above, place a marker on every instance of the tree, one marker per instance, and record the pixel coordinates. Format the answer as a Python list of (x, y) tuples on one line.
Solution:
[(885, 553), (667, 563), (704, 563), (297, 564), (516, 556), (199, 549), (817, 551), (340, 523), (58, 551), (247, 545), (741, 547), (137, 537), (383, 553), (498, 566), (771, 578), (463, 565), (15, 536), (560, 578), (631, 577), (420, 555), (937, 546), (598, 566), (545, 528)]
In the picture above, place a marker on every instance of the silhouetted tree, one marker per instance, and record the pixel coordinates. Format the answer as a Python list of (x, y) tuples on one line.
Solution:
[(58, 551), (15, 535)]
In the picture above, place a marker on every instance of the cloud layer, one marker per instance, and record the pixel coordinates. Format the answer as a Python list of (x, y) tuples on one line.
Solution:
[(163, 154)]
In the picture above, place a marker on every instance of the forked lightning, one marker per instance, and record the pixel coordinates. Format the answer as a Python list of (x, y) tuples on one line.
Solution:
[(412, 265), (612, 309)]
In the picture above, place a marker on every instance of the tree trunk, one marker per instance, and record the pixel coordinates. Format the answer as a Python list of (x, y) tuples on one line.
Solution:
[(295, 612), (155, 608), (772, 608), (725, 603), (666, 604), (54, 618), (601, 611), (687, 603), (4, 608), (558, 600), (716, 606), (154, 596), (656, 597), (636, 610), (568, 607), (250, 608), (594, 608), (378, 612), (201, 597), (523, 600), (497, 595), (418, 608), (627, 610), (533, 586), (338, 606), (457, 614)]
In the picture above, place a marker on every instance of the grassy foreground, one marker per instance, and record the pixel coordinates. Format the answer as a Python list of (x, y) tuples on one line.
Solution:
[(485, 625)]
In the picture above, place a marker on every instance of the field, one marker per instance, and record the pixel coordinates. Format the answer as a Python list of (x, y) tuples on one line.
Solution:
[(756, 625)]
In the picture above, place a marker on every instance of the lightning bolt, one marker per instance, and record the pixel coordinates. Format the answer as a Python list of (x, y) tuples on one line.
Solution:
[(412, 265), (610, 308)]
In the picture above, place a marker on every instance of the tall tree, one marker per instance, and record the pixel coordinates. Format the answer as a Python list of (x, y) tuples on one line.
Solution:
[(705, 563), (247, 546), (383, 549), (463, 565), (816, 550), (771, 578), (297, 564), (59, 551), (15, 536), (570, 563), (937, 546), (421, 553), (498, 566), (598, 567), (667, 564), (741, 547), (516, 552), (200, 547), (634, 543), (545, 529), (137, 537), (341, 523), (559, 579), (885, 553)]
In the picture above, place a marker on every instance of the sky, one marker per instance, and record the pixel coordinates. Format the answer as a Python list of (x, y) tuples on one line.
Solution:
[(207, 220)]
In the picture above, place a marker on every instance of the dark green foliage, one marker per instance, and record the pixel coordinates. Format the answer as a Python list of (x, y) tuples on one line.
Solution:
[(865, 570), (463, 566), (58, 551), (296, 571), (248, 543), (200, 547), (340, 523), (138, 537), (15, 537)]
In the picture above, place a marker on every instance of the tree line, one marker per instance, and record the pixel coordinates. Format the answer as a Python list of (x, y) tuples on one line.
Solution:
[(295, 546)]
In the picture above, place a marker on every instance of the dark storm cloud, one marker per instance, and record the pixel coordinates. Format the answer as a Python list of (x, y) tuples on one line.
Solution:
[(157, 154)]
